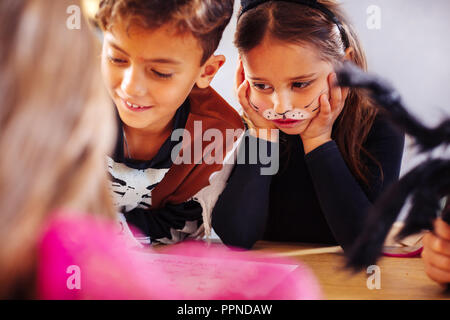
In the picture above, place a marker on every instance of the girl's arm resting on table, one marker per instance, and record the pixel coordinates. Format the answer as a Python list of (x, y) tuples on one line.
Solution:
[(239, 217), (342, 199)]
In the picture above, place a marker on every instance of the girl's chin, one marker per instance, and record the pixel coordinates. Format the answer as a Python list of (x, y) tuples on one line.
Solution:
[(295, 130), (292, 131)]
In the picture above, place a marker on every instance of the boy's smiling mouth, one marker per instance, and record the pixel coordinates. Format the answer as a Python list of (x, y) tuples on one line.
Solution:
[(135, 107)]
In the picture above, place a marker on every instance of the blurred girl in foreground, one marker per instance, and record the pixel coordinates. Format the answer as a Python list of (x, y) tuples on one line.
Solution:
[(50, 137), (56, 126)]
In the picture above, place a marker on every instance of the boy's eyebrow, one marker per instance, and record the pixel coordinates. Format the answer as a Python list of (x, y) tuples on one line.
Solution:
[(115, 46), (163, 60), (155, 60), (305, 76)]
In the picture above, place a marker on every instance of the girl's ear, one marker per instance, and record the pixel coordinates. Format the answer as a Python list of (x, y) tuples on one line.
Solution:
[(240, 73), (349, 54), (209, 70)]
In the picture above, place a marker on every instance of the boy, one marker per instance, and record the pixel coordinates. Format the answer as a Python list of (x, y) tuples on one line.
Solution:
[(157, 63)]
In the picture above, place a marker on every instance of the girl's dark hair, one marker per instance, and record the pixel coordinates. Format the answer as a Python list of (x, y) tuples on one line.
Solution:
[(300, 24)]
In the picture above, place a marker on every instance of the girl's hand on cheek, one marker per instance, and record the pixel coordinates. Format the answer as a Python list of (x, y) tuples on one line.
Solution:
[(254, 121), (319, 129)]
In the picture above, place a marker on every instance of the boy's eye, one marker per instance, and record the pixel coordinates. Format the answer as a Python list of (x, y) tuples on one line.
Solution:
[(116, 60), (300, 84), (261, 86), (162, 75)]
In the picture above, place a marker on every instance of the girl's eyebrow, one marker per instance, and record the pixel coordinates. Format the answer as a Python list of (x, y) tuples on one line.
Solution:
[(302, 77), (256, 78)]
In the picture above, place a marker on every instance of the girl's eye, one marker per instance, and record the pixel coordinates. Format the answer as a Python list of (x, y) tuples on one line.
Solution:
[(162, 75), (300, 85), (116, 60), (261, 86)]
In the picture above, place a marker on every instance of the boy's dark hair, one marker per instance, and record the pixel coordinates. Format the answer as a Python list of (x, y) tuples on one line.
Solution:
[(205, 19)]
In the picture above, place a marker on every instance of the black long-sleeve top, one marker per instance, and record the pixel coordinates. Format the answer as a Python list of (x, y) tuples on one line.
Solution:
[(313, 198)]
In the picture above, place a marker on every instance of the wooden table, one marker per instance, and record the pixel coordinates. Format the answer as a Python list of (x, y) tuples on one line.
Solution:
[(401, 278)]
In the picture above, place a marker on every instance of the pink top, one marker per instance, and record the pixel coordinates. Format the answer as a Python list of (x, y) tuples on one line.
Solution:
[(84, 258)]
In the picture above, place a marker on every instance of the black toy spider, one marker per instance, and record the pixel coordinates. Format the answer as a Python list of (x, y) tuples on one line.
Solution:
[(426, 185)]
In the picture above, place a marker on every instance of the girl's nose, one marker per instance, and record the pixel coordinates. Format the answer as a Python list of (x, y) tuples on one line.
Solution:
[(282, 102), (133, 83)]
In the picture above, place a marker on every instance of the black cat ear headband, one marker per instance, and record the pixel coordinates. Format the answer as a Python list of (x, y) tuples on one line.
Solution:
[(250, 4)]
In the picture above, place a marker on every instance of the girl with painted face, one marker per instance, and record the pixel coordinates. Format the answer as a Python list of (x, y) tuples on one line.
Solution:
[(336, 153)]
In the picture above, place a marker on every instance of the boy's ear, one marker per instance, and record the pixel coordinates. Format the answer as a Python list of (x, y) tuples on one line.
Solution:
[(209, 70)]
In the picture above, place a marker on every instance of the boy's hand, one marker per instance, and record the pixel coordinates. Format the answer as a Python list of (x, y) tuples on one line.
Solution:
[(319, 130), (254, 121), (436, 252)]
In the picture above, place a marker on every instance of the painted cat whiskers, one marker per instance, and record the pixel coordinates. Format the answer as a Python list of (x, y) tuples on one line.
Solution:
[(295, 114)]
